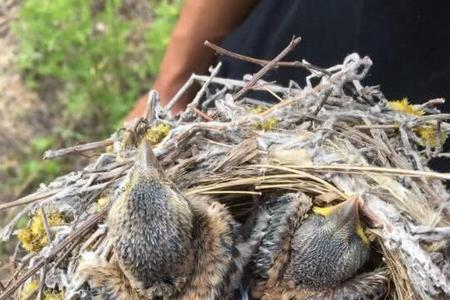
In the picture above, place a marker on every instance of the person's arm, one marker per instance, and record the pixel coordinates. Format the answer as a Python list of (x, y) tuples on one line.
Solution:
[(200, 20)]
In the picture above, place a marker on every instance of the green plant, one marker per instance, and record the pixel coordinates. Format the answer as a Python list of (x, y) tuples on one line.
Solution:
[(166, 13), (90, 63), (101, 60)]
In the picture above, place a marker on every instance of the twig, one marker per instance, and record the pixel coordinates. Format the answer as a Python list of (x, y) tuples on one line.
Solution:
[(28, 199), (180, 93), (230, 83), (23, 263), (46, 226), (430, 234), (267, 68), (51, 154), (201, 92), (200, 113), (273, 94), (152, 102), (66, 252), (263, 62), (322, 101), (378, 170), (42, 280), (377, 126)]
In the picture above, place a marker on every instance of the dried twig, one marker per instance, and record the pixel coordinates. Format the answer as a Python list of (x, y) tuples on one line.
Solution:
[(267, 67), (28, 199), (180, 93), (322, 102), (152, 102), (263, 62), (193, 105), (200, 113), (42, 280), (50, 154), (233, 83)]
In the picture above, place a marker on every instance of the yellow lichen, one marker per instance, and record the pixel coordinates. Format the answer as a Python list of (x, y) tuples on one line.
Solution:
[(258, 109), (157, 133), (33, 238), (428, 135), (403, 105), (28, 289), (32, 287), (267, 125), (53, 296), (101, 203), (109, 148)]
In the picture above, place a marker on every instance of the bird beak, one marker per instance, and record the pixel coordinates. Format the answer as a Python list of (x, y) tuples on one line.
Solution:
[(347, 212), (147, 160)]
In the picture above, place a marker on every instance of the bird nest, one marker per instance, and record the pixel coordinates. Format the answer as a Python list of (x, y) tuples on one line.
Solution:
[(333, 139)]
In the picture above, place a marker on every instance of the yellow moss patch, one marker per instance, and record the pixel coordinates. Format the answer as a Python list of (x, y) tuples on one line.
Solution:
[(34, 238), (157, 133), (28, 289), (428, 135), (268, 124), (403, 105)]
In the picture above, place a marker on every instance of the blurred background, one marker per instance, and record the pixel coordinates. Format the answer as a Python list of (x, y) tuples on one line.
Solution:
[(70, 70)]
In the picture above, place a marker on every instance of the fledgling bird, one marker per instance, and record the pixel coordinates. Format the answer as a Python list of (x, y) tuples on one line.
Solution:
[(312, 256), (164, 245)]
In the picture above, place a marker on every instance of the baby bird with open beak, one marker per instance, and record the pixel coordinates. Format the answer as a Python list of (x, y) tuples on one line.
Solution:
[(164, 245)]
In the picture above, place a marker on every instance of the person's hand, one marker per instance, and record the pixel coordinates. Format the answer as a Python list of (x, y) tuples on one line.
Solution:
[(199, 21)]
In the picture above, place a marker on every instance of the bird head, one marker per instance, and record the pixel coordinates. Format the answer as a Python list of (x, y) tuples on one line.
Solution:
[(152, 224), (329, 246), (343, 215)]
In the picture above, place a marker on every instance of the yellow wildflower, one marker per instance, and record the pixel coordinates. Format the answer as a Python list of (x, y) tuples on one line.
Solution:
[(28, 289), (34, 238), (428, 135), (157, 133), (267, 125), (404, 106)]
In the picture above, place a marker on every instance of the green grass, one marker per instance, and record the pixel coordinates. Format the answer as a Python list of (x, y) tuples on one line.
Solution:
[(98, 61)]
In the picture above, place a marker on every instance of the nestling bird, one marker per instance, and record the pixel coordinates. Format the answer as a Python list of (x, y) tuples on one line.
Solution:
[(315, 256), (164, 245)]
